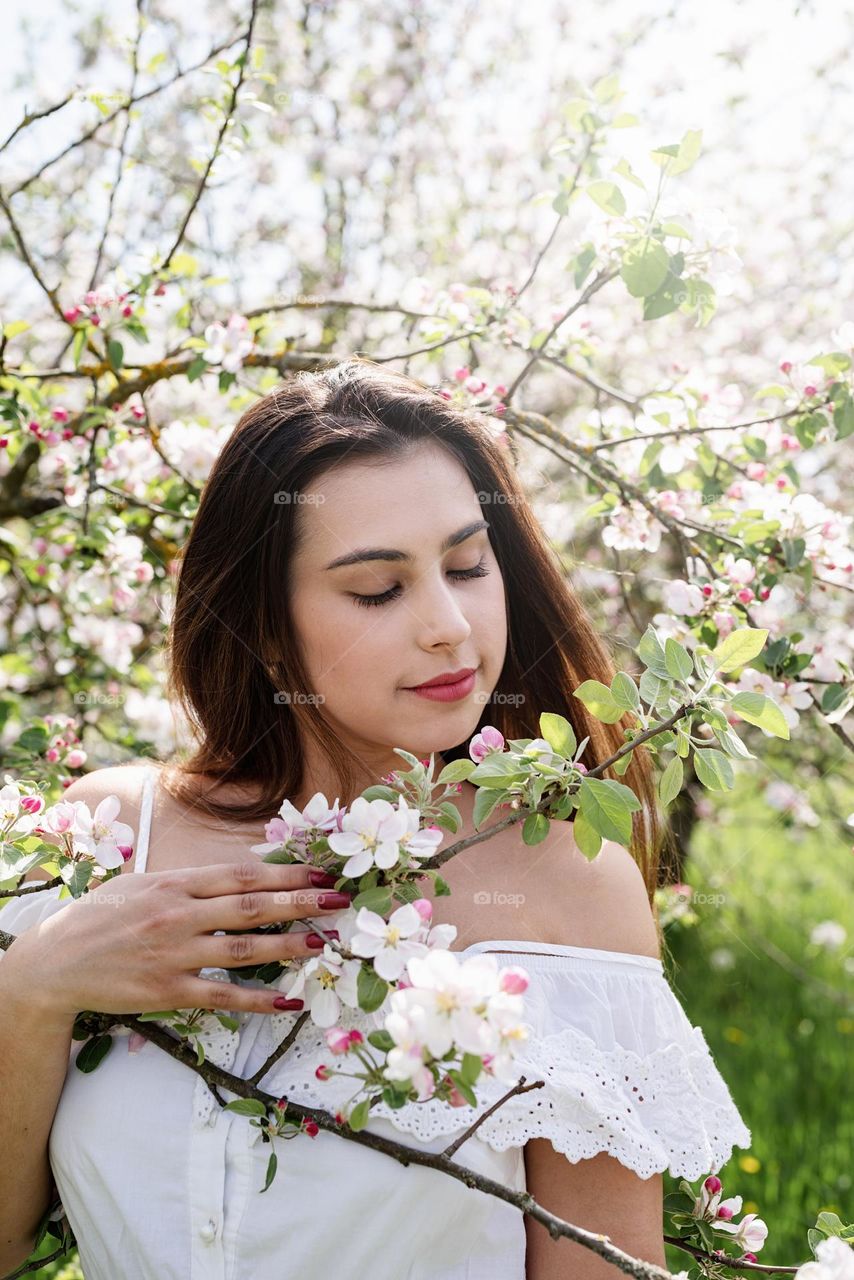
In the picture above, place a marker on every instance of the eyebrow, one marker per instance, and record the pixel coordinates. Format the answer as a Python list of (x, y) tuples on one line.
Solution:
[(384, 553)]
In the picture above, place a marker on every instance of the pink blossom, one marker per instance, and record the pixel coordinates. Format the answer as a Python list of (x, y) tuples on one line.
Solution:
[(488, 740), (338, 1040), (424, 907), (514, 980)]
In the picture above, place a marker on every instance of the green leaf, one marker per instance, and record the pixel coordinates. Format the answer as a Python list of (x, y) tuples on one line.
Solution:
[(464, 1088), (589, 841), (559, 734), (651, 653), (457, 771), (272, 1165), (833, 696), (497, 771), (599, 700), (77, 345), (247, 1107), (739, 648), (677, 659), (484, 803), (535, 828), (670, 782), (381, 1040), (760, 710), (624, 169), (714, 769), (654, 690), (608, 806), (608, 196), (645, 267), (377, 899), (665, 300), (93, 1052), (115, 354), (471, 1067), (624, 691), (380, 792), (371, 989), (358, 1117), (679, 158), (843, 417)]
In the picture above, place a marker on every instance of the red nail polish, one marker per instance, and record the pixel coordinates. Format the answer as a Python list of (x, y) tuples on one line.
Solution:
[(333, 900), (321, 879), (282, 1003), (315, 941)]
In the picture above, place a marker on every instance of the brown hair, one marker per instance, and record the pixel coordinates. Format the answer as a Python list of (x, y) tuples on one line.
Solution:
[(232, 643)]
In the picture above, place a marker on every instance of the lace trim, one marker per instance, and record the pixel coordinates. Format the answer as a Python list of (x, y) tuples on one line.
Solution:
[(670, 1109)]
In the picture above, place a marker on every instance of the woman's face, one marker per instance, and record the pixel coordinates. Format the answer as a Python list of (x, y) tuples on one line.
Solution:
[(439, 610)]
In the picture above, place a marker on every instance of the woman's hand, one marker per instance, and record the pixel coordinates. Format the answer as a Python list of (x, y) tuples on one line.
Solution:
[(136, 943)]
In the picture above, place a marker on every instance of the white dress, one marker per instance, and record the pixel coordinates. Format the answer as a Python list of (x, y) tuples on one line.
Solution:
[(159, 1184)]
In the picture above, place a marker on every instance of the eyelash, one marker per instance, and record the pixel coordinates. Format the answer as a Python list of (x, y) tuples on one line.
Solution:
[(479, 571)]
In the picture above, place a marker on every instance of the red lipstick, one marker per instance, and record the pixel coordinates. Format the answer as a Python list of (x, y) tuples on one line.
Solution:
[(450, 686)]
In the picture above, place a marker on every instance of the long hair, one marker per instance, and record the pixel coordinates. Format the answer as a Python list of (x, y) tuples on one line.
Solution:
[(232, 642)]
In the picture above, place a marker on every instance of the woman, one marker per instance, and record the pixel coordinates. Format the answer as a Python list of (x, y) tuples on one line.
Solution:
[(357, 538)]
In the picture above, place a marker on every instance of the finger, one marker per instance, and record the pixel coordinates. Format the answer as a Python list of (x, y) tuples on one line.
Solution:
[(240, 912), (250, 877), (236, 949), (207, 993)]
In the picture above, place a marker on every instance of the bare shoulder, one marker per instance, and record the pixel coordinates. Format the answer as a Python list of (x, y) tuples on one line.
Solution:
[(601, 903), (123, 781), (502, 888)]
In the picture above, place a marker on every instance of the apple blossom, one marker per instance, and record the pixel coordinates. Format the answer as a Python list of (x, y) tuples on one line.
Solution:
[(229, 344), (488, 740), (834, 1260), (388, 943)]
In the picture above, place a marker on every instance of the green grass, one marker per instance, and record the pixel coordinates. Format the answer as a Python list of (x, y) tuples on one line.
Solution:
[(780, 1020)]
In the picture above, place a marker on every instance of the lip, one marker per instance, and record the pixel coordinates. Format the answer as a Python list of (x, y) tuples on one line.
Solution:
[(449, 687), (447, 677)]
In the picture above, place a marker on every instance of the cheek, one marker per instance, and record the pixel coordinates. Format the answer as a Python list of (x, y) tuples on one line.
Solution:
[(491, 621), (344, 642)]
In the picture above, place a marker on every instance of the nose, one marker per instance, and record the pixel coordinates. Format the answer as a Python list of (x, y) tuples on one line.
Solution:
[(438, 614)]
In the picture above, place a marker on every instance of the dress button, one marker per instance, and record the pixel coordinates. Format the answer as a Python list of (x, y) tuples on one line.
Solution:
[(208, 1232)]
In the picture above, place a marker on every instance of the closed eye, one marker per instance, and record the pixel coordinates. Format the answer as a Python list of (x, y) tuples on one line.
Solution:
[(459, 575)]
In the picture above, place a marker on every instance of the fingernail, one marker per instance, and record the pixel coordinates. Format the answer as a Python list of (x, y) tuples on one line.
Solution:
[(282, 1003), (338, 900), (321, 879), (315, 941)]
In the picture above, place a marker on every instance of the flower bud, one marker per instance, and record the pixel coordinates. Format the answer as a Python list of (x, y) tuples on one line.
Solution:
[(713, 1184), (323, 1072), (338, 1040)]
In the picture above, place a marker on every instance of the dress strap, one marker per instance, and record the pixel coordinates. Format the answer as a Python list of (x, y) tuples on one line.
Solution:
[(145, 811)]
